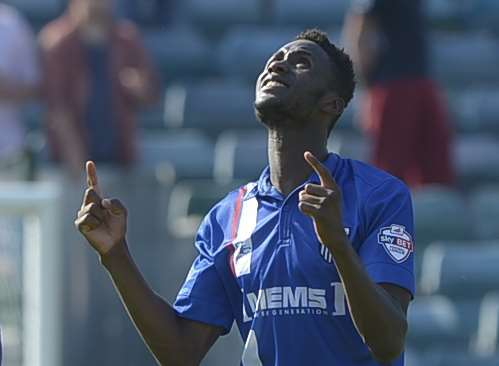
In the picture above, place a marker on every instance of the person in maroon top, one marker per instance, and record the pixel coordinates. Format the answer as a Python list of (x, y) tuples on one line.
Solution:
[(402, 111), (96, 76)]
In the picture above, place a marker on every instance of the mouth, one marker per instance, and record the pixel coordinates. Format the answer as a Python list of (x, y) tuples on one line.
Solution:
[(274, 83)]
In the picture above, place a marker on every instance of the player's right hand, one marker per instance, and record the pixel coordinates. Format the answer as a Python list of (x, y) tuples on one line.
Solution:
[(101, 221)]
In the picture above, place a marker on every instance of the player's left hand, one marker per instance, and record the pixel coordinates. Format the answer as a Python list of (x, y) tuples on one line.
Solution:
[(323, 204)]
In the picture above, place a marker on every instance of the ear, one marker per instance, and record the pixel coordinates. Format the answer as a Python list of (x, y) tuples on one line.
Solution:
[(332, 104)]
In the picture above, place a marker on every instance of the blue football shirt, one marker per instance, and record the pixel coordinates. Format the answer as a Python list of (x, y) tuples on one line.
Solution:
[(261, 264)]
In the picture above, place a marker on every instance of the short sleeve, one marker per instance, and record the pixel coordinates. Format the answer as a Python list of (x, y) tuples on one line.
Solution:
[(388, 250), (203, 297)]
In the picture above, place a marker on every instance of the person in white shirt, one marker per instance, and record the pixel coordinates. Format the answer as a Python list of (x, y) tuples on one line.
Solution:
[(19, 78)]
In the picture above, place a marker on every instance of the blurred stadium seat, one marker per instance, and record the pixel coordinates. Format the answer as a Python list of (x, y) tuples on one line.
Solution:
[(484, 204), (456, 357), (413, 358), (464, 58), (243, 52), (487, 339), (309, 14), (349, 145), (218, 15), (152, 117), (179, 53), (211, 106), (477, 160), (38, 11), (432, 319), (462, 272), (190, 201), (189, 152), (484, 14), (240, 156), (476, 110), (33, 114), (442, 12), (145, 12), (438, 320), (439, 215), (468, 311)]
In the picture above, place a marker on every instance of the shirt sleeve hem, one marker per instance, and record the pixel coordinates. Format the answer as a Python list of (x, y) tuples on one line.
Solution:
[(382, 272), (199, 316)]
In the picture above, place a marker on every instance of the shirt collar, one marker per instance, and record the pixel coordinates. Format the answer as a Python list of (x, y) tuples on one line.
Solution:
[(265, 187)]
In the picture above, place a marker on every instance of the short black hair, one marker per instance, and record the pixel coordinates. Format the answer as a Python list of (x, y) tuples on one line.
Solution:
[(341, 64)]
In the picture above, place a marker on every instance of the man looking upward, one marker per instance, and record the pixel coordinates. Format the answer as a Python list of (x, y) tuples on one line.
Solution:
[(314, 261)]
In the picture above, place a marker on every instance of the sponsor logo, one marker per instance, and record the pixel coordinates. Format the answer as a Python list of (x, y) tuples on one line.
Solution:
[(397, 242), (242, 257), (287, 300)]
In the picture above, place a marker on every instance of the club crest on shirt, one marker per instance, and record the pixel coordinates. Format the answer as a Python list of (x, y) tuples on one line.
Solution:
[(242, 257), (324, 251), (396, 241)]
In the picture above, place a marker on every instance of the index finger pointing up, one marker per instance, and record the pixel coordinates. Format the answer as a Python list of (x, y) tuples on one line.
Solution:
[(92, 181), (323, 173)]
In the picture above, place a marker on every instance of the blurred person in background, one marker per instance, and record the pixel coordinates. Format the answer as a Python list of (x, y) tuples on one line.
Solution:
[(96, 76), (19, 80), (402, 110)]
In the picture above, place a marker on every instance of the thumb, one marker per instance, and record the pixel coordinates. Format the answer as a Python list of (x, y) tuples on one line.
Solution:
[(114, 206)]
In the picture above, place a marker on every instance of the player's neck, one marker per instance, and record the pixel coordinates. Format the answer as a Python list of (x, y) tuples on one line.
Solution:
[(288, 168)]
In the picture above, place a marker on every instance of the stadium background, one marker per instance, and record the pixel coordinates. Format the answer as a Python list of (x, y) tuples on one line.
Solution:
[(202, 139)]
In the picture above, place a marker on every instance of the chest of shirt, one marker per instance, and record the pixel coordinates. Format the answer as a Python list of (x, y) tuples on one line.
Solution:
[(276, 245)]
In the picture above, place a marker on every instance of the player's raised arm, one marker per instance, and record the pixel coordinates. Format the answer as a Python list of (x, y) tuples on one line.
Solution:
[(378, 311), (101, 221), (173, 340), (322, 203)]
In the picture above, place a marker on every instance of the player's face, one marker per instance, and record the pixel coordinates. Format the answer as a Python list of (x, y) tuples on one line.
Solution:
[(293, 80)]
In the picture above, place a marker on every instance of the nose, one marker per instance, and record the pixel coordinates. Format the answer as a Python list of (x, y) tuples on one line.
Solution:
[(278, 67)]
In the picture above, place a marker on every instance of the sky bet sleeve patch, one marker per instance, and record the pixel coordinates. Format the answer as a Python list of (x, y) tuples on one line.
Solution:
[(397, 242)]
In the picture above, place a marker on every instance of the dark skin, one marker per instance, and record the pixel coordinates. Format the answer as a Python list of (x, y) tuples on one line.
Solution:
[(295, 101)]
